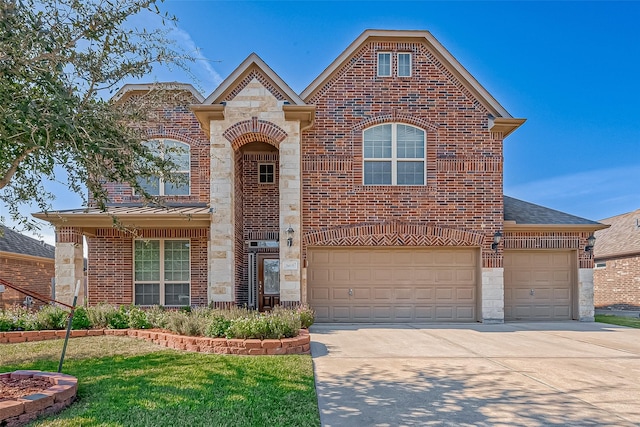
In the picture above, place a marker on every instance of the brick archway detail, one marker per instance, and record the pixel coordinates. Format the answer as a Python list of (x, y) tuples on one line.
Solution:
[(254, 130), (396, 117), (393, 233)]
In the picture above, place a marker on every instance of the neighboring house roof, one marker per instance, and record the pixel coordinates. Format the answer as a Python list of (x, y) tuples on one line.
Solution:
[(14, 242), (622, 238), (522, 212)]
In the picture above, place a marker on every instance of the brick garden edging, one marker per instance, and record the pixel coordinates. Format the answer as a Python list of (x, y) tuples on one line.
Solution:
[(20, 411), (297, 345)]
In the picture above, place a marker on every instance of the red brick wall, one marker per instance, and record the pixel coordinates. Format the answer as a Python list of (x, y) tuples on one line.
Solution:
[(464, 160), (618, 284), (179, 123), (31, 274), (110, 269)]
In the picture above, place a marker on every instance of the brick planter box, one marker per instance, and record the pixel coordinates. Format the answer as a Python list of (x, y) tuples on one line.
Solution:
[(61, 393), (251, 347)]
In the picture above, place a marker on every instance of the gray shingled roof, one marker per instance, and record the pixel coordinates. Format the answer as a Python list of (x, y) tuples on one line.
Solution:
[(528, 213), (623, 237), (11, 241)]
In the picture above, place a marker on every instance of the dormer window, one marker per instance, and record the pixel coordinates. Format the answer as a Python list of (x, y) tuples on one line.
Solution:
[(180, 154), (384, 64), (404, 65)]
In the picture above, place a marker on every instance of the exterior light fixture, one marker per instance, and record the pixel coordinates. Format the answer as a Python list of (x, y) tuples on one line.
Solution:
[(289, 232), (591, 240), (496, 240)]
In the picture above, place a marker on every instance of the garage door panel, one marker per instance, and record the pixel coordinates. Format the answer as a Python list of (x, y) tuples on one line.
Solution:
[(393, 284), (403, 294), (548, 274)]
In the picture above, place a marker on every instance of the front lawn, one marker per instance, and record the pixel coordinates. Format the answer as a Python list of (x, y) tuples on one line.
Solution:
[(128, 382), (632, 322)]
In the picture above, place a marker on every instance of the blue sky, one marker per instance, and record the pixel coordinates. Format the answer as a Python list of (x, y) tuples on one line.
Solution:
[(570, 68)]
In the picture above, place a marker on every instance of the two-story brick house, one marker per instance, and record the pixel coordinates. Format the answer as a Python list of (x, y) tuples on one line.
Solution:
[(375, 195)]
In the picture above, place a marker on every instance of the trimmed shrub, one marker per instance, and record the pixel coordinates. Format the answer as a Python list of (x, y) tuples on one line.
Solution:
[(307, 315), (119, 319), (80, 319), (100, 315), (52, 317), (138, 318), (157, 317)]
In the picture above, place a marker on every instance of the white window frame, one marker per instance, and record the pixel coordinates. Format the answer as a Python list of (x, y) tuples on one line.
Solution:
[(260, 173), (600, 265), (162, 282), (394, 156), (187, 171), (390, 64), (410, 64)]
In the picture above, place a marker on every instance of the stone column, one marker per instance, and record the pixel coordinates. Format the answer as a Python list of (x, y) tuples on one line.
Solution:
[(290, 216), (586, 311), (493, 295), (69, 263), (221, 243)]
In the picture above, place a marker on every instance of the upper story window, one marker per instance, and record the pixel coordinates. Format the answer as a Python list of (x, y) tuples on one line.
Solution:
[(394, 154), (266, 173), (404, 65), (180, 154), (384, 64)]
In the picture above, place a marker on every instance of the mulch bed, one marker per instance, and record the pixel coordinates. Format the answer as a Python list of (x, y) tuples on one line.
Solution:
[(13, 388)]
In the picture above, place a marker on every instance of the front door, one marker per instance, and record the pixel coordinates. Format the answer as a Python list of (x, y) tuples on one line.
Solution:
[(268, 281)]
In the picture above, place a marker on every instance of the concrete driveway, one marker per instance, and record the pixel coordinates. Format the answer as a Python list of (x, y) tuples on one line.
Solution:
[(513, 374)]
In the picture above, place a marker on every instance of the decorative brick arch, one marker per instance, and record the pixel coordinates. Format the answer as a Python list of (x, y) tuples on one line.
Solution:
[(393, 233), (254, 130), (396, 117)]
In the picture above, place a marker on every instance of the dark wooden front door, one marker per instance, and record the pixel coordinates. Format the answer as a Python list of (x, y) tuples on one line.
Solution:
[(268, 281)]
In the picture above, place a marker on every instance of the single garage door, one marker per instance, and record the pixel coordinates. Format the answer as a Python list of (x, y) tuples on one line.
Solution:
[(393, 284), (538, 285)]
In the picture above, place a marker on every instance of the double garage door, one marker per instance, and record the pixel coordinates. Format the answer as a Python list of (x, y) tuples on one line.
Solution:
[(393, 284)]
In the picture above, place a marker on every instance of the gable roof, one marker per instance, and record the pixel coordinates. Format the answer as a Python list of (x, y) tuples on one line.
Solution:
[(252, 62), (13, 242), (622, 238), (133, 88), (524, 213), (436, 48)]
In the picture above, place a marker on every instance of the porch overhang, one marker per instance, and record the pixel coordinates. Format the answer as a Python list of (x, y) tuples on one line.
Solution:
[(512, 226), (89, 219), (206, 113)]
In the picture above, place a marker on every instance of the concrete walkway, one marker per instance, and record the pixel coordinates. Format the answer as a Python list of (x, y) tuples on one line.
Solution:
[(514, 374)]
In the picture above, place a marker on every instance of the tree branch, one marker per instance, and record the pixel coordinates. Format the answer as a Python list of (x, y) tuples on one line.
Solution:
[(4, 181)]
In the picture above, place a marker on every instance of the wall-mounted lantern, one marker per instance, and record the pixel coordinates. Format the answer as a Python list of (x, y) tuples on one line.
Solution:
[(496, 241), (591, 240)]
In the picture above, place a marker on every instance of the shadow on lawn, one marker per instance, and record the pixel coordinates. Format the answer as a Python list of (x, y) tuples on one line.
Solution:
[(172, 388)]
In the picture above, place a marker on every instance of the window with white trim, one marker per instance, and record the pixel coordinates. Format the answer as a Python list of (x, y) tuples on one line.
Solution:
[(394, 154), (180, 154), (384, 64), (600, 265), (162, 272), (404, 65)]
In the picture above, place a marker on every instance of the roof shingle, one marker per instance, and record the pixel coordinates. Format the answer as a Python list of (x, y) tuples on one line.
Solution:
[(622, 238), (14, 242), (528, 213)]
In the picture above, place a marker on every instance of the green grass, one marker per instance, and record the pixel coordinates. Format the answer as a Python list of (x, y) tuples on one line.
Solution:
[(126, 382), (632, 322)]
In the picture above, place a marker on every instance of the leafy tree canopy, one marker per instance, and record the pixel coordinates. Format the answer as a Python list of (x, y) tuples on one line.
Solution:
[(60, 61)]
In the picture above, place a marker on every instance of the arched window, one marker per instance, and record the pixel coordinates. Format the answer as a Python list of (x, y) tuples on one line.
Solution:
[(394, 154), (180, 154)]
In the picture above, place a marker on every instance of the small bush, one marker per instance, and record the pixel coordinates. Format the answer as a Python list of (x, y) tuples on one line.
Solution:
[(307, 316), (100, 315), (157, 317), (119, 319), (218, 326), (19, 318), (80, 319), (52, 317), (138, 318)]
